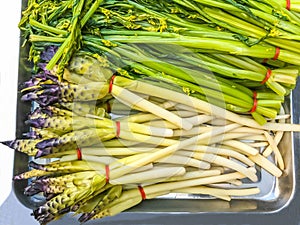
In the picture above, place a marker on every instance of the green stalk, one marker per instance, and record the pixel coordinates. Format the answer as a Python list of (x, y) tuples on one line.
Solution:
[(38, 38), (227, 46), (282, 8), (64, 52), (248, 29), (265, 16), (174, 73), (47, 28), (90, 12), (169, 17)]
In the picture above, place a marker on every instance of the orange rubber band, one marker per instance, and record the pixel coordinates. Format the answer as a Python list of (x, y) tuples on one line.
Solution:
[(79, 154), (111, 83), (118, 128), (288, 4), (277, 52), (107, 173), (142, 191), (268, 75), (254, 102)]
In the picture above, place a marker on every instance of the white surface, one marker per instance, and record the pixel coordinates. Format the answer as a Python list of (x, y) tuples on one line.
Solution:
[(9, 41)]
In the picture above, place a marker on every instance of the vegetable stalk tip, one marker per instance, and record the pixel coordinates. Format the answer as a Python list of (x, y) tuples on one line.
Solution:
[(18, 177), (37, 123), (9, 144)]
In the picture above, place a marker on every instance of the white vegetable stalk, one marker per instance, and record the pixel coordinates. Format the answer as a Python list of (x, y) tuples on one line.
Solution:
[(219, 151), (169, 150), (134, 100), (155, 173), (222, 193), (276, 151)]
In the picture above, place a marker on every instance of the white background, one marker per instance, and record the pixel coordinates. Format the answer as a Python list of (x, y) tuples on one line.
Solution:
[(9, 42)]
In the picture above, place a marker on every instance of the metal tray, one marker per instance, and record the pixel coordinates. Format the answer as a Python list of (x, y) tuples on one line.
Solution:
[(276, 195)]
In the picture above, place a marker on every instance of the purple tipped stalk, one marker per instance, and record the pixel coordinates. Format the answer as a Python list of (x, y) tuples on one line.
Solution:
[(10, 144), (51, 89), (85, 217), (34, 165), (44, 152), (35, 188), (50, 196), (18, 177), (37, 123), (35, 113), (37, 80), (45, 100), (31, 96), (51, 142), (32, 135), (34, 81), (42, 215), (47, 111), (45, 95)]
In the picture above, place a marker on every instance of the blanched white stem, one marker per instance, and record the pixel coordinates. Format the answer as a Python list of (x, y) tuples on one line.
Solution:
[(266, 164), (184, 160), (146, 129), (155, 173), (222, 161), (275, 149), (193, 182), (278, 136), (220, 151), (169, 150), (241, 146), (219, 191), (134, 100)]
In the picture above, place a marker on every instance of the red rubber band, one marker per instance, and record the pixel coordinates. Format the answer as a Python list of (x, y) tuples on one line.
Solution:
[(288, 4), (268, 75), (277, 52), (118, 128), (254, 102), (143, 194), (111, 83), (79, 154), (107, 173)]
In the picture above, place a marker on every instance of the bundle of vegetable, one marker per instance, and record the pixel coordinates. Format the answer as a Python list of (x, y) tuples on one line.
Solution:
[(171, 143), (138, 99), (155, 40)]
